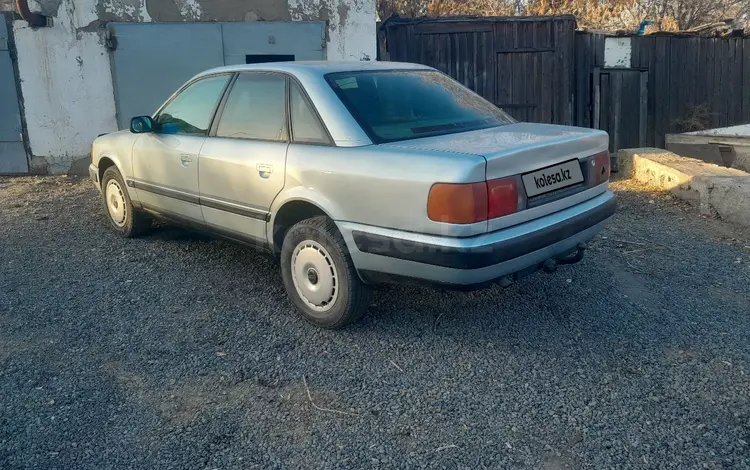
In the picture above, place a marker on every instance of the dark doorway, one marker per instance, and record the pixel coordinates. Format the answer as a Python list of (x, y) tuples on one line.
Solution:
[(621, 105), (263, 58)]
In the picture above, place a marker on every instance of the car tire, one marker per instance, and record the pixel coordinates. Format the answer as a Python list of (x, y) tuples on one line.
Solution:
[(319, 275), (122, 216)]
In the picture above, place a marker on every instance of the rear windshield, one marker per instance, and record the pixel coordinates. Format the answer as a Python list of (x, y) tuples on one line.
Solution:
[(401, 105)]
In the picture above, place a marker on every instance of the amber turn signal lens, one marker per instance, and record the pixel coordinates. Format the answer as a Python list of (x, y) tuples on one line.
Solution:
[(458, 203)]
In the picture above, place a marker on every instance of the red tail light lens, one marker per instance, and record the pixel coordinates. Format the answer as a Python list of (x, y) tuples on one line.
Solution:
[(472, 202), (502, 197), (600, 168)]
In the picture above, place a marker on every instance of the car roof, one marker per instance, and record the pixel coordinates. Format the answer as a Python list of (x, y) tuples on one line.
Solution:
[(320, 68)]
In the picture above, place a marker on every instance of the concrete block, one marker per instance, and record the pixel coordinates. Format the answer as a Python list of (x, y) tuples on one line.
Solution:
[(80, 167), (727, 197), (741, 158), (716, 190), (38, 166)]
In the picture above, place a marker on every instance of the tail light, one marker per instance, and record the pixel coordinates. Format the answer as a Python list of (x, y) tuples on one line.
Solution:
[(502, 197), (472, 202), (458, 203), (476, 202), (600, 167)]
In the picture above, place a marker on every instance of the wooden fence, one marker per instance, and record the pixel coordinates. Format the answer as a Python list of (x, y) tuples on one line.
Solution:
[(690, 72), (523, 65), (540, 69)]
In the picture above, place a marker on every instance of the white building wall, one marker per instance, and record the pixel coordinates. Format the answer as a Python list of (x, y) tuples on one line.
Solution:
[(66, 84), (617, 52), (66, 79), (351, 26)]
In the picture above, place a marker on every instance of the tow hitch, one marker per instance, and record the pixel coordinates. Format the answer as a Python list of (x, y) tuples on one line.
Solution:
[(550, 265)]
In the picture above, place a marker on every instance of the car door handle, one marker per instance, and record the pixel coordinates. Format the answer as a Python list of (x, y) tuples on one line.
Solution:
[(185, 160), (264, 170)]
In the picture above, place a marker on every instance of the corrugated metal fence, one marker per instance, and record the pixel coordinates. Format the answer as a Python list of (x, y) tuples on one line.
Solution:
[(540, 69)]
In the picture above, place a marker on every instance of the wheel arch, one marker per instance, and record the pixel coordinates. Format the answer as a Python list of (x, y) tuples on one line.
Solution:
[(289, 213), (106, 162)]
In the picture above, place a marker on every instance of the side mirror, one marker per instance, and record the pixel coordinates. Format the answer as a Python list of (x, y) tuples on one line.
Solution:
[(142, 124)]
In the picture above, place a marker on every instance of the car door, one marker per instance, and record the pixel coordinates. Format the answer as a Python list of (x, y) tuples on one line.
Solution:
[(165, 162), (242, 164)]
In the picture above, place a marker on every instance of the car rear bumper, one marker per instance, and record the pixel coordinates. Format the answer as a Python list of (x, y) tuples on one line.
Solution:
[(384, 254)]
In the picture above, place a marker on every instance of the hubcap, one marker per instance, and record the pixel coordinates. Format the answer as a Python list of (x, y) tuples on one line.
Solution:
[(314, 275), (115, 203)]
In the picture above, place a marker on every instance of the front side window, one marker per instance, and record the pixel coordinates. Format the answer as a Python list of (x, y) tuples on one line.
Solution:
[(306, 126), (190, 112), (255, 108), (399, 105)]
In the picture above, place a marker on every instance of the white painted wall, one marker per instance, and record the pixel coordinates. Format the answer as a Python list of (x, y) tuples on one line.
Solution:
[(66, 84), (356, 38), (351, 26), (132, 11), (617, 52), (66, 79)]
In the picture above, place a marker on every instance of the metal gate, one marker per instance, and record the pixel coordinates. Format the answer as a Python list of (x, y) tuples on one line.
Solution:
[(151, 60), (12, 152)]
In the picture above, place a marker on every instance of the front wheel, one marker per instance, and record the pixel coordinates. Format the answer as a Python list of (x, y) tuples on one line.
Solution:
[(319, 275), (122, 216)]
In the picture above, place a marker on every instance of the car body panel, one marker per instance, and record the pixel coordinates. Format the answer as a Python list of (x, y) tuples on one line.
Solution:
[(414, 246), (165, 173), (239, 180), (117, 147), (376, 186), (518, 148), (368, 190), (342, 127)]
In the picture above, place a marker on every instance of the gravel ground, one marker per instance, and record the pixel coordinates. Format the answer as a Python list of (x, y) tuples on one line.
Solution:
[(177, 351)]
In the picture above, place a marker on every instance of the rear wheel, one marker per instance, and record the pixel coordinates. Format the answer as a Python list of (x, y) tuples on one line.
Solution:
[(122, 216), (319, 275)]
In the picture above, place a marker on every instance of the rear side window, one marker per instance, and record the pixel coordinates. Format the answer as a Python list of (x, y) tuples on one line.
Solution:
[(255, 108), (190, 112), (306, 127), (398, 105)]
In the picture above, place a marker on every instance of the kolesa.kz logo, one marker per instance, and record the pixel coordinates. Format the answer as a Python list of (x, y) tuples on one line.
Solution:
[(554, 178)]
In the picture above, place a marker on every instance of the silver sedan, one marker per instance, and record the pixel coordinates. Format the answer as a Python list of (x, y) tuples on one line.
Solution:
[(358, 173)]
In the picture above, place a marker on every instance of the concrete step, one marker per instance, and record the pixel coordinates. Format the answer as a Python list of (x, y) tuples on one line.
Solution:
[(716, 190)]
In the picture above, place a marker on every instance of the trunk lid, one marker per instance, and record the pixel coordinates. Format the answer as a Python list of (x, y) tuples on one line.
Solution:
[(536, 152), (519, 148)]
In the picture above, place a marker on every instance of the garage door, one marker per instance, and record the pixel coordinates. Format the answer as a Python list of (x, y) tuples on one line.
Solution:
[(151, 60), (12, 152)]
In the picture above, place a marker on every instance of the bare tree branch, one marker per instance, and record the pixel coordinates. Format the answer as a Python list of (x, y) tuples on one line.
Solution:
[(592, 14)]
